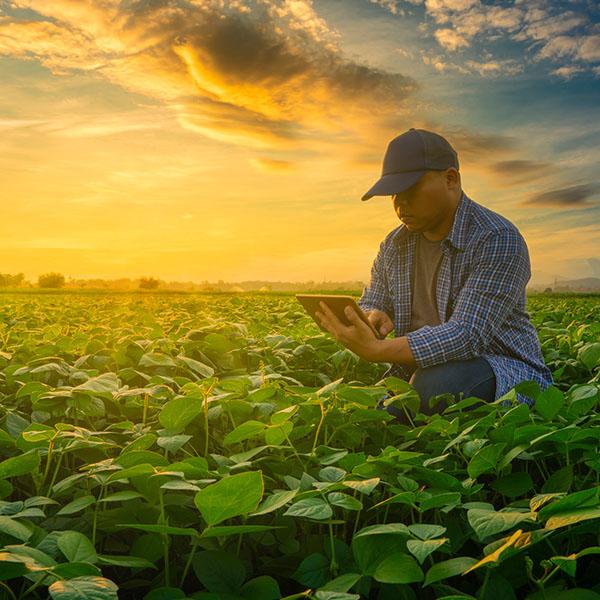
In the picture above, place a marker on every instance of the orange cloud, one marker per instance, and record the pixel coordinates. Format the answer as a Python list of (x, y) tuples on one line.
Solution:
[(263, 76), (273, 164)]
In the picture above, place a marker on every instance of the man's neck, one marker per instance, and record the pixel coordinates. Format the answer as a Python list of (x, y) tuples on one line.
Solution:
[(443, 229)]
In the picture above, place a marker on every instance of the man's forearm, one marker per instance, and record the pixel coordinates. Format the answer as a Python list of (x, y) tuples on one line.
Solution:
[(395, 350)]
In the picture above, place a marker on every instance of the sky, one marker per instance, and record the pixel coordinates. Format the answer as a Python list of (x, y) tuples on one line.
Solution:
[(198, 140)]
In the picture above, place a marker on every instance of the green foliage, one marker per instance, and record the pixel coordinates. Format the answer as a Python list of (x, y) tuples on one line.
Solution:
[(152, 445)]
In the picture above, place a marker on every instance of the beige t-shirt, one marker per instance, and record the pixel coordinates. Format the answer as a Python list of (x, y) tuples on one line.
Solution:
[(427, 260)]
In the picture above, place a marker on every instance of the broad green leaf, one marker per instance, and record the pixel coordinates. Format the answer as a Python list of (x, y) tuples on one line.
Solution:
[(14, 565), (121, 496), (540, 499), (387, 528), (421, 549), (571, 517), (587, 498), (331, 595), (173, 443), (262, 587), (102, 384), (196, 366), (398, 568), (549, 402), (489, 522), (485, 460), (277, 434), (245, 431), (28, 462), (513, 485), (178, 413), (342, 583), (559, 481), (589, 355), (310, 508), (84, 588), (69, 570), (448, 568), (496, 554), (440, 500), (219, 572), (76, 505), (426, 531), (156, 359), (313, 571), (135, 562), (366, 486), (370, 550), (232, 496), (273, 502), (77, 547), (14, 528), (344, 501)]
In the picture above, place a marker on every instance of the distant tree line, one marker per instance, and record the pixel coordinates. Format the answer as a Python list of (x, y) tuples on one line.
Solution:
[(7, 280)]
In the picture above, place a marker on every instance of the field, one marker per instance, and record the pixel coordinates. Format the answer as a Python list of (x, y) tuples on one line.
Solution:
[(221, 447)]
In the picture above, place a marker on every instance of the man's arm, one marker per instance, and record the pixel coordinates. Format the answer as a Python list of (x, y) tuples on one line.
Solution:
[(491, 291)]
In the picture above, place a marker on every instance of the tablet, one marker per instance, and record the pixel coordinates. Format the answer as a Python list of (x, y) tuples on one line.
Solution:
[(337, 303)]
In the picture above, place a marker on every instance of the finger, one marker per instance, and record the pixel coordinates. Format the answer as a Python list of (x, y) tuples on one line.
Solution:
[(329, 315), (351, 314), (326, 322)]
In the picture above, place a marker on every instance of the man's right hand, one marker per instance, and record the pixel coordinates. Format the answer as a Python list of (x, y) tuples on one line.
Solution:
[(380, 320)]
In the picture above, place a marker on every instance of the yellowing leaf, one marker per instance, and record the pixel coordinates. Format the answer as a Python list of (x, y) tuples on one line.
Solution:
[(494, 556)]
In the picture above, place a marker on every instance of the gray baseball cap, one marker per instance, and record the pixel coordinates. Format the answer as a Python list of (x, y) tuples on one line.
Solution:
[(408, 157)]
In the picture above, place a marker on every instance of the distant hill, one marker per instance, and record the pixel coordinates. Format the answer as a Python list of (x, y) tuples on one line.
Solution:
[(585, 284)]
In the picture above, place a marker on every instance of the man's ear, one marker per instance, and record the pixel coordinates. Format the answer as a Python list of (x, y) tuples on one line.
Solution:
[(451, 178)]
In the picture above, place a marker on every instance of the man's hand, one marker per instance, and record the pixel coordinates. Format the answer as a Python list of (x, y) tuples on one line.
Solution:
[(357, 336), (380, 320)]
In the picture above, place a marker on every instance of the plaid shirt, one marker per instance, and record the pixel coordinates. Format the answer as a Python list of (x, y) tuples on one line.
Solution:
[(480, 296)]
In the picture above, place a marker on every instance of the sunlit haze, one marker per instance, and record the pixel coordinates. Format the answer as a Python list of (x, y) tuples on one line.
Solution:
[(204, 140)]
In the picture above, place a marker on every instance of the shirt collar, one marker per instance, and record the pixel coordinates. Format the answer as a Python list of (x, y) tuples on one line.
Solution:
[(457, 237)]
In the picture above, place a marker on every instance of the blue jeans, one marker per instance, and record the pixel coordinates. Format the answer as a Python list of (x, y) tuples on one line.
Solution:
[(473, 377)]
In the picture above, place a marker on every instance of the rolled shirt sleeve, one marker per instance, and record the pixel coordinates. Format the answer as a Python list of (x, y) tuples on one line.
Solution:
[(491, 291)]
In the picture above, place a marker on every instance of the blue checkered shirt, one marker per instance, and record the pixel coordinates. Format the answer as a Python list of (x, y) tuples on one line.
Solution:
[(480, 298)]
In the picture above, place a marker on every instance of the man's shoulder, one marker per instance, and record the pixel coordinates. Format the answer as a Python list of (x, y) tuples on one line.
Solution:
[(479, 223), (485, 222)]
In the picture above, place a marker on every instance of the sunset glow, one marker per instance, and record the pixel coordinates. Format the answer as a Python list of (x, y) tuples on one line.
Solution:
[(204, 140)]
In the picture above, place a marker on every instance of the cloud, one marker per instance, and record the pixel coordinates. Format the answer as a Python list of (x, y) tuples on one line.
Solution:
[(258, 73), (567, 71), (585, 48), (512, 172), (390, 5), (540, 25), (571, 35), (473, 145), (451, 39), (494, 67), (272, 164), (574, 196)]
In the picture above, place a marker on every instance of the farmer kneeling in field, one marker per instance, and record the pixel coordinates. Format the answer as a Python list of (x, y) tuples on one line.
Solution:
[(450, 281)]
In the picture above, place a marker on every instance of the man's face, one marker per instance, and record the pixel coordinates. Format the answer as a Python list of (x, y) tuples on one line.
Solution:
[(425, 204)]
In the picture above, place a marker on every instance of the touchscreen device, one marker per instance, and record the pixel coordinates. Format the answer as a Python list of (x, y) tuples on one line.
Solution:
[(337, 303)]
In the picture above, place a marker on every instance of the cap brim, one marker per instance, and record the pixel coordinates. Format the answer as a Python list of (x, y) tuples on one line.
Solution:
[(394, 183)]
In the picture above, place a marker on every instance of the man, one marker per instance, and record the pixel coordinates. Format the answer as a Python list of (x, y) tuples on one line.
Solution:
[(450, 281)]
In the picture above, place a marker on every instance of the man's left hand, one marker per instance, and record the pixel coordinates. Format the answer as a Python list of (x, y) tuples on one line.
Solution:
[(357, 336)]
